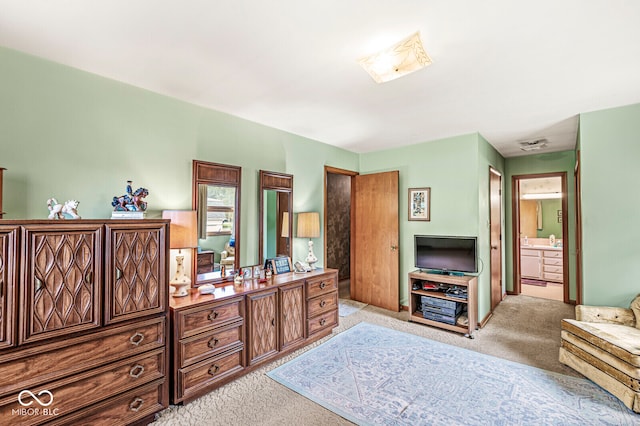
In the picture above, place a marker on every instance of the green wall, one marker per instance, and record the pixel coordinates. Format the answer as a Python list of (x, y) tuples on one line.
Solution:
[(563, 161), (609, 153), (456, 169), (71, 134)]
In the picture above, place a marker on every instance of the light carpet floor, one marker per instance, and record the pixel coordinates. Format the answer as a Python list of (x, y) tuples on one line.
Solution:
[(523, 329), (347, 307)]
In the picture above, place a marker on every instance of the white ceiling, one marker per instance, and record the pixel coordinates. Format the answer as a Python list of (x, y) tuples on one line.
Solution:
[(510, 70)]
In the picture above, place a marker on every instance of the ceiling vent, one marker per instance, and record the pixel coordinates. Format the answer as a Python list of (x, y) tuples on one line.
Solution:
[(533, 145)]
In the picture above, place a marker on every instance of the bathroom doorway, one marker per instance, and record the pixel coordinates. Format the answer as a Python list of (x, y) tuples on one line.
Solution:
[(540, 236)]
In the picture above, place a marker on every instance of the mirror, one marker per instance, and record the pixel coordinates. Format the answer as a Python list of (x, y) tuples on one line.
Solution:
[(216, 199), (276, 207)]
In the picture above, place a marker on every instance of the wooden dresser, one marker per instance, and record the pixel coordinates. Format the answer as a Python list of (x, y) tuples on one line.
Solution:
[(83, 321), (222, 336)]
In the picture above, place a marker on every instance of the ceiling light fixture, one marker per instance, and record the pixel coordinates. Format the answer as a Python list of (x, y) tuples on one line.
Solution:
[(533, 145), (395, 61)]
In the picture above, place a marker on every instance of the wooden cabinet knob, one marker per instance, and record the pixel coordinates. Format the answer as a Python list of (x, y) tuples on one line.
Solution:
[(322, 285), (214, 369), (323, 303), (323, 321), (136, 404), (213, 315), (213, 342)]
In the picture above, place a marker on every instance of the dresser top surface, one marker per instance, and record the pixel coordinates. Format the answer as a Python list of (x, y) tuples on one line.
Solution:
[(230, 289)]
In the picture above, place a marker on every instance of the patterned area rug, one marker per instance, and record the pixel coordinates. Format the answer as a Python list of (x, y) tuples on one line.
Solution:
[(374, 375), (347, 307)]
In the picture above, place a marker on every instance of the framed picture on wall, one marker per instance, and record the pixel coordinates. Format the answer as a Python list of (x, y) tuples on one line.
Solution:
[(420, 204)]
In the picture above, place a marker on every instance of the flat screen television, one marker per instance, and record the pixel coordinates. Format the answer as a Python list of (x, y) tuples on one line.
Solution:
[(446, 254)]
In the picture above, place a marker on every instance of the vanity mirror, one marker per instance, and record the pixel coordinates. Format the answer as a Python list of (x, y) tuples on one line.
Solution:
[(216, 198), (276, 220)]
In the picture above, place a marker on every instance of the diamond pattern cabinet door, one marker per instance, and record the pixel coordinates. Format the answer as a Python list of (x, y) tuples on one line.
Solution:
[(292, 308), (136, 271), (8, 302), (262, 325), (61, 273)]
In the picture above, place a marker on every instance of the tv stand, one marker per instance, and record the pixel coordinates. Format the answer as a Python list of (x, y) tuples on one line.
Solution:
[(469, 305)]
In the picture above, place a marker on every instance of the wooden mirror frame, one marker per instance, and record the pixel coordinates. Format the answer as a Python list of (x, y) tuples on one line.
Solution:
[(223, 175), (282, 183)]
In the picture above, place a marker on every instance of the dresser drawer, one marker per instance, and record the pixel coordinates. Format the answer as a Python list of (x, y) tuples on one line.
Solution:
[(204, 374), (322, 322), (528, 252), (553, 269), (203, 318), (49, 362), (87, 388), (211, 343), (552, 253), (323, 303), (550, 276), (124, 409), (553, 261), (321, 285)]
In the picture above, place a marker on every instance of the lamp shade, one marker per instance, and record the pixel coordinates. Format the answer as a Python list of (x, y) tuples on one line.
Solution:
[(182, 229), (309, 225)]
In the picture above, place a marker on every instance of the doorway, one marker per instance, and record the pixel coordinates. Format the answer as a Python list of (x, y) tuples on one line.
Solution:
[(337, 226), (539, 205)]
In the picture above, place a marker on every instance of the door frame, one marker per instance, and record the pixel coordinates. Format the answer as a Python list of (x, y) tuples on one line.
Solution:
[(494, 171), (515, 226)]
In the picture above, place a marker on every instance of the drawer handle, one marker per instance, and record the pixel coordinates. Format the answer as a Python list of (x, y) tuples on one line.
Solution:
[(89, 277), (136, 339), (323, 303), (323, 321), (136, 371), (273, 322), (214, 369), (213, 315), (136, 404), (39, 285), (1, 286), (118, 273), (322, 285), (213, 342)]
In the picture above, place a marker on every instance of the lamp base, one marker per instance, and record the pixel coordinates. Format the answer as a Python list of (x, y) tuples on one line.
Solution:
[(180, 281), (181, 289), (311, 258)]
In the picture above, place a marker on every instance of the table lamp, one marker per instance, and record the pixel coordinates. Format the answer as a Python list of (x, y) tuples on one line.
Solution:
[(309, 227), (182, 236)]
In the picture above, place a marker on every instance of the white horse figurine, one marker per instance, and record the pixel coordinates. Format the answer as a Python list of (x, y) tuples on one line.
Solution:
[(57, 210)]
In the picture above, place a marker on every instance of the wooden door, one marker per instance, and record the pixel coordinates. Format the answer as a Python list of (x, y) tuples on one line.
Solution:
[(495, 217), (262, 325), (292, 315), (8, 303), (62, 279), (375, 254), (136, 277)]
